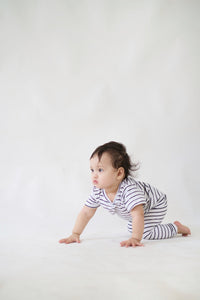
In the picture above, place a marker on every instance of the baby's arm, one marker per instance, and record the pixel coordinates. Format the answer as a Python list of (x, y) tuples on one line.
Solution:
[(82, 220), (137, 214)]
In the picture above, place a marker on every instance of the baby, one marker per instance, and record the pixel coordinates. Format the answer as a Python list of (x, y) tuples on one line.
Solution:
[(141, 204)]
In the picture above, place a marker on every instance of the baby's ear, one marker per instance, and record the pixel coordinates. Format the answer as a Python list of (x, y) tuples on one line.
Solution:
[(121, 172)]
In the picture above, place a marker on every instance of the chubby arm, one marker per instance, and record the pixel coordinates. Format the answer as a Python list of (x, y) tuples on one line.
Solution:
[(82, 220), (137, 214)]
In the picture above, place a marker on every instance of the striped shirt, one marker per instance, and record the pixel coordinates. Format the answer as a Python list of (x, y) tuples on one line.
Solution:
[(130, 194)]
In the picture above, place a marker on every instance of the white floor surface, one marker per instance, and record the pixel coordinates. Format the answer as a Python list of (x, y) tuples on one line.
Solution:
[(99, 268)]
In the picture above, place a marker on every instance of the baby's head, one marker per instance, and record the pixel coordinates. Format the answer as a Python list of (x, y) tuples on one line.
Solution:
[(119, 157)]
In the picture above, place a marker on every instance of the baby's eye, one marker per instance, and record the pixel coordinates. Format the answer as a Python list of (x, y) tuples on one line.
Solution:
[(100, 170), (91, 170)]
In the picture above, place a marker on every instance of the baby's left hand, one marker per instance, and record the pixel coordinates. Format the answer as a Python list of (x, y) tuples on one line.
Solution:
[(132, 242)]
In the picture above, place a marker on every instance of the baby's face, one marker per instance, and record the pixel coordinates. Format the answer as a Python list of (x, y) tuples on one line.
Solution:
[(104, 176)]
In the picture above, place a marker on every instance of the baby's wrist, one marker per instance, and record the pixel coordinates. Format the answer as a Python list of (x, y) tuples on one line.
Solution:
[(75, 233), (134, 238)]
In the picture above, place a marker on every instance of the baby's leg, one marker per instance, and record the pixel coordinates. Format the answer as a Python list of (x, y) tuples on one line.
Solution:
[(153, 229), (159, 231)]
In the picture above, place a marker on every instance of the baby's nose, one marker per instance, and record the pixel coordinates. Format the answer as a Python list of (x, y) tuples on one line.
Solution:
[(95, 175)]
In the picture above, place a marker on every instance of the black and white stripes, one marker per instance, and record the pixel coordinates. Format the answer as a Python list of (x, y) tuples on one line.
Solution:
[(130, 194), (153, 229)]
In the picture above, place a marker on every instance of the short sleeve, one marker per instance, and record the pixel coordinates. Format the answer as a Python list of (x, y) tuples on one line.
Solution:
[(133, 196), (92, 200)]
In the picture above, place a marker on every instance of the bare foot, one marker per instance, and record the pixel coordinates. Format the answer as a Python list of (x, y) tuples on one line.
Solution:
[(184, 230)]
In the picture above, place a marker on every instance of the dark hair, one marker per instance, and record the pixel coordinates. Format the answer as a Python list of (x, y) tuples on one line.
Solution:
[(118, 155)]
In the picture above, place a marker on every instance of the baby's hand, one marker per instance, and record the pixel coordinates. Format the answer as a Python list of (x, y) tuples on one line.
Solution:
[(74, 238), (132, 242)]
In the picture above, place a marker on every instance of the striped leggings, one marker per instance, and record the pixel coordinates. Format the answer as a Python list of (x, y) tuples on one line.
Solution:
[(153, 229)]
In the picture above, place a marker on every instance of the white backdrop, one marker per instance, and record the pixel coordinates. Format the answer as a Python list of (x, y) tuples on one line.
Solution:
[(76, 74)]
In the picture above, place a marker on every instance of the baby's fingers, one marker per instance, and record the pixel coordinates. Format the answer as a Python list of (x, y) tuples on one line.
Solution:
[(78, 240), (125, 244), (138, 244), (70, 240), (122, 244), (63, 241), (131, 243)]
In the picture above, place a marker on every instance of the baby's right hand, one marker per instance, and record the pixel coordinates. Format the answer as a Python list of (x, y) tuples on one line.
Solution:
[(74, 238)]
